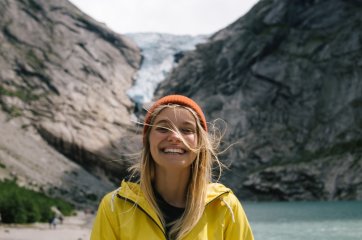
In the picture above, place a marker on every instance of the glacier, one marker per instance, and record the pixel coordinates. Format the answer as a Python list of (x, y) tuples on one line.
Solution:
[(160, 53)]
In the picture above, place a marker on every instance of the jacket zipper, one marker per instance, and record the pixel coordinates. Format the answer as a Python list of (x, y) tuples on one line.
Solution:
[(138, 206)]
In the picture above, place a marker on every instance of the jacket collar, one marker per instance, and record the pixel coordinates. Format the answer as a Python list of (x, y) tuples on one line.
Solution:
[(132, 191), (214, 191)]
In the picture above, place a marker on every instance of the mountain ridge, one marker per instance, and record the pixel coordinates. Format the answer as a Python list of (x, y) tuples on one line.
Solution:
[(286, 79)]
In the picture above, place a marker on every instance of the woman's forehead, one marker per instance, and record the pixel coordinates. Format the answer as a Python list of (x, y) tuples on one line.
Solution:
[(176, 115)]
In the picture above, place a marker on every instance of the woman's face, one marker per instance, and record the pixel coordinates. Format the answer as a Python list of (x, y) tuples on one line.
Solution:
[(167, 148)]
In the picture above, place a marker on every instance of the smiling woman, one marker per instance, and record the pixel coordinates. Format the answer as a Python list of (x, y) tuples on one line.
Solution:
[(173, 141), (174, 197)]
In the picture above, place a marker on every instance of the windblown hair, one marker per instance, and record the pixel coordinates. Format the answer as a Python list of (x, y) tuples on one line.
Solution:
[(200, 177)]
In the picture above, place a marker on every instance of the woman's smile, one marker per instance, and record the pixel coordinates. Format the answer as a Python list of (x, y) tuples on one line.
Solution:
[(173, 151)]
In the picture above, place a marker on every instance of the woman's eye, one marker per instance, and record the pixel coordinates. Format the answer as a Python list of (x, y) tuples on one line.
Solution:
[(187, 130), (162, 129)]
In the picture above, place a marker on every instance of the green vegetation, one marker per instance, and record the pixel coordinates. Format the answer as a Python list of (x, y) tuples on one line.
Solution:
[(2, 165), (337, 149), (354, 147), (92, 197), (357, 103), (14, 112), (341, 148), (34, 61), (20, 205), (23, 94)]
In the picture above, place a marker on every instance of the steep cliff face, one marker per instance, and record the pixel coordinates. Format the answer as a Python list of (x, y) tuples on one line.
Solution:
[(66, 76), (286, 78), (36, 165)]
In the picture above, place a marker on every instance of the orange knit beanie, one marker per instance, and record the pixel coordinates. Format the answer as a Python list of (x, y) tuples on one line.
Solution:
[(174, 99)]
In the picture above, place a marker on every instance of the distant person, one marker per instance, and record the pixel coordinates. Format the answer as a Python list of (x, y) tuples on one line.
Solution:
[(53, 222), (58, 215), (61, 219), (174, 197)]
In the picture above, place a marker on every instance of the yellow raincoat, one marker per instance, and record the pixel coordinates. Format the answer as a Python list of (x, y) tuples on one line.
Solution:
[(126, 215)]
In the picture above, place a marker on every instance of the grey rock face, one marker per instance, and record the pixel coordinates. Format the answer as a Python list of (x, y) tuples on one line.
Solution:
[(26, 157), (286, 78), (67, 75)]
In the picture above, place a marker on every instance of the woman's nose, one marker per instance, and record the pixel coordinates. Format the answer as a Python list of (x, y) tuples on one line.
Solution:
[(173, 136)]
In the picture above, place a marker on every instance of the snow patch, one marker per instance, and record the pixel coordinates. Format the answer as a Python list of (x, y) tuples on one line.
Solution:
[(160, 54)]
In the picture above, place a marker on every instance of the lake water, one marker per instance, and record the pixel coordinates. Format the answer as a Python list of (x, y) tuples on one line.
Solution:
[(305, 220)]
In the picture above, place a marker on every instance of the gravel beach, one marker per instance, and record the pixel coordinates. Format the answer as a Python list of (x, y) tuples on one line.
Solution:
[(73, 228)]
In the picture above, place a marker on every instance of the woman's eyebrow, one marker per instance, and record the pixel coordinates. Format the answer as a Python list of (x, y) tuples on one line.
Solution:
[(165, 121), (191, 123)]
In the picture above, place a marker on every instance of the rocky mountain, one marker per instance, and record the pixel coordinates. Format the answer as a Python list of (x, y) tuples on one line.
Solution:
[(64, 76), (287, 80), (27, 158)]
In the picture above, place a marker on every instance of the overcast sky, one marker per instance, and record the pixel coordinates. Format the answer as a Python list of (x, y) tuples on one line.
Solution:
[(166, 16)]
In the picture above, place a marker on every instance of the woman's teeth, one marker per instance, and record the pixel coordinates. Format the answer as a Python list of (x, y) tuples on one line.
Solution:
[(173, 150)]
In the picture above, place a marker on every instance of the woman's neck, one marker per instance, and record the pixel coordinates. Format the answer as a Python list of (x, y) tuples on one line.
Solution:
[(172, 186)]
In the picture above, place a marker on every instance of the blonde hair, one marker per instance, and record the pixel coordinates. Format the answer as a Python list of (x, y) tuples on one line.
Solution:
[(201, 173)]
